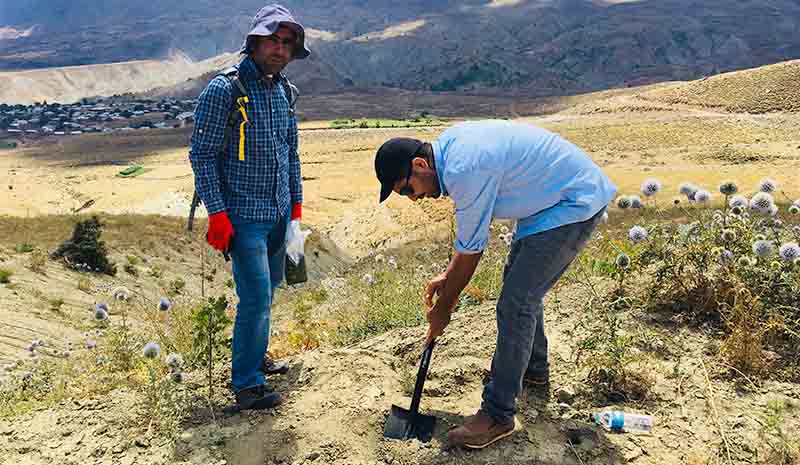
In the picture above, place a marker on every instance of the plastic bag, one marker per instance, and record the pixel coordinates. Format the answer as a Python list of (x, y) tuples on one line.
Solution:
[(295, 254)]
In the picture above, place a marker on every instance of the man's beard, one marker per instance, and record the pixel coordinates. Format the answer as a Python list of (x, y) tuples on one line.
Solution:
[(269, 66)]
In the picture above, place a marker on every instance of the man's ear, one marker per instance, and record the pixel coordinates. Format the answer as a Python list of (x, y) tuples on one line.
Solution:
[(420, 163)]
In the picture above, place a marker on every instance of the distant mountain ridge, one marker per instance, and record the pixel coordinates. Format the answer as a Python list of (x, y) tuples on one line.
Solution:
[(531, 47)]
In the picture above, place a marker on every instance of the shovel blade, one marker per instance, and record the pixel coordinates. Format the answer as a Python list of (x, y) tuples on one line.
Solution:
[(399, 425)]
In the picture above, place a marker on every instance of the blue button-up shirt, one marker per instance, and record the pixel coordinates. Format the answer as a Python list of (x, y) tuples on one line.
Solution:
[(508, 170), (262, 186)]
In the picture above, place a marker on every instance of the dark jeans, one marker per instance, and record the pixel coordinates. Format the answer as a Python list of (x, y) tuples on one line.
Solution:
[(258, 254), (534, 265)]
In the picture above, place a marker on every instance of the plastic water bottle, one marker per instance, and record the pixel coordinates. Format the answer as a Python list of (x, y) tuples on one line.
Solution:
[(619, 421)]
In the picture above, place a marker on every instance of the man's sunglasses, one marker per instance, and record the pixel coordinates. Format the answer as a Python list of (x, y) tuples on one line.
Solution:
[(407, 190)]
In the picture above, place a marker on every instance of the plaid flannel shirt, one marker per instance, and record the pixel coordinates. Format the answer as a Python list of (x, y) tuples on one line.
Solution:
[(263, 185)]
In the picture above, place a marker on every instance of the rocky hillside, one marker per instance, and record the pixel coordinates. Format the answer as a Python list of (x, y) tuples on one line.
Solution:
[(536, 46)]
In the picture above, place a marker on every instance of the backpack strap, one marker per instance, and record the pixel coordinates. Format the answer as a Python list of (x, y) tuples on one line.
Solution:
[(291, 91), (240, 101)]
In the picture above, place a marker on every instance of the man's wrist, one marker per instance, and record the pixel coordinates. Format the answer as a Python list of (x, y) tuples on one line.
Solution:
[(297, 211)]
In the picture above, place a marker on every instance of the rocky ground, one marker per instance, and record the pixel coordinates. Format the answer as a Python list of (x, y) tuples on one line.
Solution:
[(337, 401)]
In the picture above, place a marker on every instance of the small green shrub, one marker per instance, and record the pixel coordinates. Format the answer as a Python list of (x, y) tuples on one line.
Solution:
[(177, 285), (209, 324), (784, 447), (85, 251), (38, 261), (24, 248), (131, 269), (304, 331), (5, 275)]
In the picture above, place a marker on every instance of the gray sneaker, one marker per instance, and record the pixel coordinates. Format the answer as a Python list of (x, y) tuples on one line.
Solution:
[(274, 367)]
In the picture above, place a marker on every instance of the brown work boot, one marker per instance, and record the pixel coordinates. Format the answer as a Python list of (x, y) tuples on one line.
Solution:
[(479, 431)]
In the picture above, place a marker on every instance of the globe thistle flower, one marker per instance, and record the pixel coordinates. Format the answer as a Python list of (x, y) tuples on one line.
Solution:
[(794, 210), (702, 196), (100, 314), (728, 188), (738, 201), (623, 260), (101, 306), (151, 350), (174, 361), (762, 202), (688, 189), (650, 187), (176, 377), (636, 201), (31, 347), (762, 248), (379, 258), (725, 257), (637, 234), (737, 210), (624, 202), (789, 252), (368, 279), (729, 235), (164, 304), (91, 344), (121, 293), (27, 377), (392, 262), (767, 185)]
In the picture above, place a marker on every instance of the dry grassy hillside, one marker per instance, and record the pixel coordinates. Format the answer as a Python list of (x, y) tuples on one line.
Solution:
[(772, 88), (759, 90), (72, 83)]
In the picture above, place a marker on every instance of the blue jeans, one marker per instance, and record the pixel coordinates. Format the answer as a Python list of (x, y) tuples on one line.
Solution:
[(534, 265), (258, 254)]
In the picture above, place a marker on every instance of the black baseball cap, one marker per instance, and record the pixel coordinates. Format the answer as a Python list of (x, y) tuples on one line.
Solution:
[(393, 162)]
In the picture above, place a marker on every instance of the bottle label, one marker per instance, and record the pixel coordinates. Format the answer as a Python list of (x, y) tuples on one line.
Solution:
[(617, 421)]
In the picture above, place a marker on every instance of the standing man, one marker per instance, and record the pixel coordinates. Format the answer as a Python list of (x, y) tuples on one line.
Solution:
[(506, 170), (247, 173)]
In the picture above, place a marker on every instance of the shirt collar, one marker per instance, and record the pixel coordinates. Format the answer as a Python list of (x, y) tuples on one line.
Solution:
[(438, 160)]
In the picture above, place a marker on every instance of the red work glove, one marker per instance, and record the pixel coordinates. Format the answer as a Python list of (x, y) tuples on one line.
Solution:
[(220, 231), (297, 211)]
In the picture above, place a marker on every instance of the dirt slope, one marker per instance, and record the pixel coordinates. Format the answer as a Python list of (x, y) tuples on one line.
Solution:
[(337, 400), (72, 83)]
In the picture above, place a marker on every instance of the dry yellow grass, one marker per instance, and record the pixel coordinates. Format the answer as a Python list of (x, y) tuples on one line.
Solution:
[(760, 90)]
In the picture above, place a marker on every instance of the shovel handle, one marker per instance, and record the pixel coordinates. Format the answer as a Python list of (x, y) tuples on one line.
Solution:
[(421, 375)]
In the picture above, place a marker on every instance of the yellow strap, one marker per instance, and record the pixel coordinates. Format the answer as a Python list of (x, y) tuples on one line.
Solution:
[(242, 101)]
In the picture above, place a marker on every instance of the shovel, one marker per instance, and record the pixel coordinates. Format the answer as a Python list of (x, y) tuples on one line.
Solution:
[(410, 424)]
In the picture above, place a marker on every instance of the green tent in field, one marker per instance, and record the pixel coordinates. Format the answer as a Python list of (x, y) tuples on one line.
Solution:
[(131, 171)]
